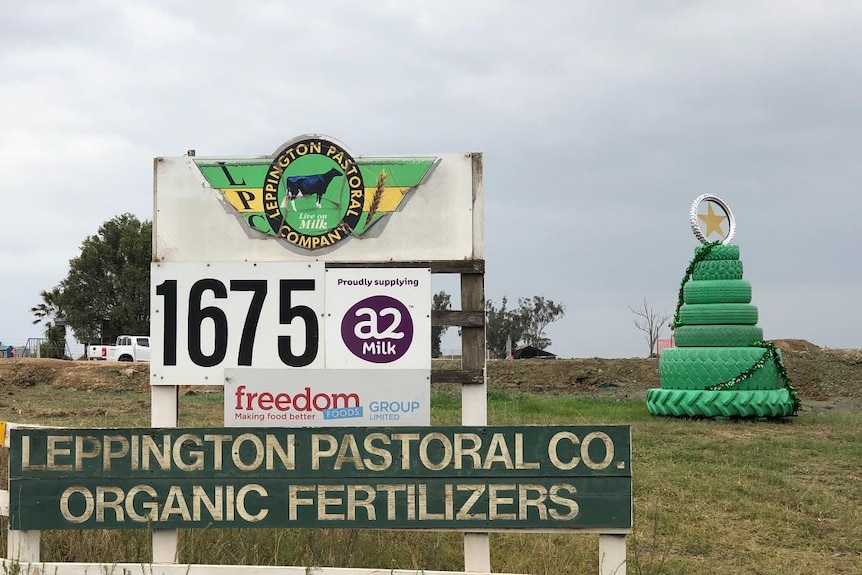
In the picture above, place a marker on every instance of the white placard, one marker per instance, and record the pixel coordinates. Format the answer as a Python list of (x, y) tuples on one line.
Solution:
[(444, 221), (378, 318), (326, 398), (206, 317)]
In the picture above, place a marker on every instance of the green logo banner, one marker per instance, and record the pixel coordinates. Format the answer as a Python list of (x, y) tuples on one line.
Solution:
[(313, 193)]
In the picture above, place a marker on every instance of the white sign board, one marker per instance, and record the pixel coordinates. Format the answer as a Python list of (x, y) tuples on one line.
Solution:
[(326, 398), (438, 216), (378, 318), (206, 317)]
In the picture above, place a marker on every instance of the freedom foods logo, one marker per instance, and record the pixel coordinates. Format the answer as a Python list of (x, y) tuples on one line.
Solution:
[(303, 405), (312, 192)]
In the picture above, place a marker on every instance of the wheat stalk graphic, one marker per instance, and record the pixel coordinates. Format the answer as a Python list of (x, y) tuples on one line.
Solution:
[(378, 195)]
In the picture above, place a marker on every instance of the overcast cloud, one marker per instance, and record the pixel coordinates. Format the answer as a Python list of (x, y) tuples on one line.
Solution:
[(600, 122)]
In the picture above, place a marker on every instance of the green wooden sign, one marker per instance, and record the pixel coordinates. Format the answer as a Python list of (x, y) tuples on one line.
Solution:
[(455, 478)]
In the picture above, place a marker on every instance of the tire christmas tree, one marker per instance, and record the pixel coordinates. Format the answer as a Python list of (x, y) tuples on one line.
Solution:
[(721, 366)]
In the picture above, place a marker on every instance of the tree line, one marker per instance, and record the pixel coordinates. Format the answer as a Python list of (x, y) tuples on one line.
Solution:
[(507, 328), (106, 293)]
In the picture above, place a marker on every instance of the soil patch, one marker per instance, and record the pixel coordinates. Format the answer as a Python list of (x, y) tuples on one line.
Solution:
[(827, 379), (83, 375)]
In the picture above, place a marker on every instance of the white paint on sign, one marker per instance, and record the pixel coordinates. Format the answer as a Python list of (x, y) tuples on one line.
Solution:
[(206, 317), (444, 221)]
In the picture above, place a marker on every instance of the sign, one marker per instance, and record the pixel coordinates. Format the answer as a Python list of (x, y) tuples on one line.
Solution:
[(313, 199), (453, 478), (206, 317), (317, 398), (378, 318)]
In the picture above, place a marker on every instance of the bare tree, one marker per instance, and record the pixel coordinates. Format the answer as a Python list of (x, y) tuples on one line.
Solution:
[(650, 321)]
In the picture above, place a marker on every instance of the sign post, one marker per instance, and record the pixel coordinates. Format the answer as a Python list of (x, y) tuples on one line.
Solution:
[(301, 283), (231, 302), (528, 478)]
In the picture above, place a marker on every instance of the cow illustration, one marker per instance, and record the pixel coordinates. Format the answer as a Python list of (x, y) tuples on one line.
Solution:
[(298, 186)]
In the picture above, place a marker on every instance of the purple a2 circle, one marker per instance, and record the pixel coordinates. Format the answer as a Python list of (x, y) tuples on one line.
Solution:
[(378, 329)]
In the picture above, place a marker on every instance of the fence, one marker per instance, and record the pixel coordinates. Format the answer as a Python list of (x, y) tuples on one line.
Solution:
[(662, 344), (35, 345)]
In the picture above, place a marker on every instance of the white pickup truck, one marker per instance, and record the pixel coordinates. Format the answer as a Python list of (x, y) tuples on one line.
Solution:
[(127, 348)]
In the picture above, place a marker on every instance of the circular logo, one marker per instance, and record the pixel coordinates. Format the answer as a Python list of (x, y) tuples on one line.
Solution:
[(717, 225), (378, 329), (313, 194)]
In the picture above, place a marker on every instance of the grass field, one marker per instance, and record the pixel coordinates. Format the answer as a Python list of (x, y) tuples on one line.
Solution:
[(715, 497)]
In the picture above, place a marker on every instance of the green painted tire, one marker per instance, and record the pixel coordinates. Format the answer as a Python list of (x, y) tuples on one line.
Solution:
[(721, 252), (718, 314), (717, 270), (701, 367), (717, 291), (688, 403), (717, 335)]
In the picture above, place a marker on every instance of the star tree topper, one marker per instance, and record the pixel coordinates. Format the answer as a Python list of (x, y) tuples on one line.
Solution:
[(712, 219)]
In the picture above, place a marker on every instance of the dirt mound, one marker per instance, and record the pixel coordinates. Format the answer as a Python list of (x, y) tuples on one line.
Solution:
[(595, 376), (825, 378), (85, 375), (795, 345)]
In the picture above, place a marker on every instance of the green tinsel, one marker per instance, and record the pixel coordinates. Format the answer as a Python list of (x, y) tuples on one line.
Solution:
[(699, 255), (770, 353)]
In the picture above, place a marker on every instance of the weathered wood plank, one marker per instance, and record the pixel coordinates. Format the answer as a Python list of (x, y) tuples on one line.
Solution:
[(458, 318), (462, 376), (473, 338), (295, 477), (437, 267)]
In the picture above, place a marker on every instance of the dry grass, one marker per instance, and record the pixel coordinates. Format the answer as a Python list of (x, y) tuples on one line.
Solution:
[(715, 497)]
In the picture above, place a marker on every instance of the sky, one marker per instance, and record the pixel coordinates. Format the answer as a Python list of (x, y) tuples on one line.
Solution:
[(599, 122)]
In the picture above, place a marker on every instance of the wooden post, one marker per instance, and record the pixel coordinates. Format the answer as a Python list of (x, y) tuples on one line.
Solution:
[(164, 412), (474, 403), (24, 546), (612, 555)]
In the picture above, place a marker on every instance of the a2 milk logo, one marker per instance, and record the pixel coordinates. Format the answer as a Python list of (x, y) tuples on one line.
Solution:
[(378, 329)]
